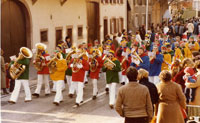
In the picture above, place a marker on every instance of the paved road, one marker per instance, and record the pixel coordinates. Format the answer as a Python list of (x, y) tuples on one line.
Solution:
[(41, 110)]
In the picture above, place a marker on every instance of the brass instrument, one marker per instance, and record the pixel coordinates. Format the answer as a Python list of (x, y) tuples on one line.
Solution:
[(39, 59), (94, 63), (69, 55), (52, 63), (17, 69), (138, 57), (109, 63), (151, 57), (76, 61)]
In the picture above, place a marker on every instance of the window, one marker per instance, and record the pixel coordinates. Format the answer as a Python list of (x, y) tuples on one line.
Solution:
[(136, 21), (59, 35), (80, 32), (121, 1), (143, 2), (114, 1), (44, 35), (111, 26), (143, 19), (69, 33), (139, 2), (122, 23)]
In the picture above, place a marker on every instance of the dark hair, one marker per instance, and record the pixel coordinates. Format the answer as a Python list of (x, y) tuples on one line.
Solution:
[(165, 76), (132, 74)]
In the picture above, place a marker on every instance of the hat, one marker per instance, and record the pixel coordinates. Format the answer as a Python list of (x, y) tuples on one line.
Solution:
[(40, 46), (109, 40), (123, 41), (146, 35), (111, 51), (192, 37), (155, 46), (189, 70)]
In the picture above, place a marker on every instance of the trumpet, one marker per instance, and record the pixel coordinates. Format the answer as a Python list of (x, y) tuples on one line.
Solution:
[(138, 57)]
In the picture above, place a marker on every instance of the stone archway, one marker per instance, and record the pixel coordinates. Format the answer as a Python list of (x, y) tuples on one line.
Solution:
[(15, 24)]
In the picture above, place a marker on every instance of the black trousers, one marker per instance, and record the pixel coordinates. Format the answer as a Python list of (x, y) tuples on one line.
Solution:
[(136, 120)]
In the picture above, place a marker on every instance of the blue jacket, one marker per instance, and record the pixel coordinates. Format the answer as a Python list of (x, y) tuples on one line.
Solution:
[(155, 67), (146, 63)]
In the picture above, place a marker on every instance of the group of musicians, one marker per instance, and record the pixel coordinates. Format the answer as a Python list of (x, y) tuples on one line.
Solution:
[(73, 64)]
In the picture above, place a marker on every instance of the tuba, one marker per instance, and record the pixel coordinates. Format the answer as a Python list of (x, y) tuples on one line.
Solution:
[(76, 62), (69, 55), (94, 62), (17, 69), (39, 59), (52, 63)]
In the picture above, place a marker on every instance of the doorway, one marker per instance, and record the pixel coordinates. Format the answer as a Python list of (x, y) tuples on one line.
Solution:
[(93, 21), (15, 28)]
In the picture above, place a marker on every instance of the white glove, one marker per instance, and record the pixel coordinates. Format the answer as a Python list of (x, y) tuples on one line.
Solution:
[(80, 66), (71, 65), (136, 61)]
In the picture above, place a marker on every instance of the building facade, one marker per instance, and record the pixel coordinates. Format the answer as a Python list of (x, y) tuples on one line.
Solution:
[(137, 12), (27, 22)]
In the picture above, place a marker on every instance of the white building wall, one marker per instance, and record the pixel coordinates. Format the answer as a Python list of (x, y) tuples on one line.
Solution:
[(72, 13), (109, 11)]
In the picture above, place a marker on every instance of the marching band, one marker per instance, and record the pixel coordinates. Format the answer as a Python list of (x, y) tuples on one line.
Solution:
[(73, 64)]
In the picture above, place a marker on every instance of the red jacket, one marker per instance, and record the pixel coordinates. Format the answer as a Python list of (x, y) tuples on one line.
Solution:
[(45, 69), (95, 74), (125, 65), (79, 76)]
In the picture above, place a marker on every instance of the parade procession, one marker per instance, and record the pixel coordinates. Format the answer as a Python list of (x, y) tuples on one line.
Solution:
[(135, 74)]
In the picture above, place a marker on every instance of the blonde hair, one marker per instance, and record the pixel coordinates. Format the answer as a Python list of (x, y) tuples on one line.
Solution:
[(142, 73)]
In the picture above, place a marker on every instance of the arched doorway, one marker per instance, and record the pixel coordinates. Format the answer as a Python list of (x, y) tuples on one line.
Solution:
[(15, 27)]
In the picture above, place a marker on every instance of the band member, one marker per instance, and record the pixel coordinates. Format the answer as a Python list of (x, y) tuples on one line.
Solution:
[(177, 54), (21, 64), (124, 65), (156, 61), (86, 57), (40, 63), (185, 50), (167, 59), (70, 52), (125, 52), (105, 54), (111, 67), (95, 65), (58, 75), (97, 46), (79, 66), (144, 62), (110, 42), (192, 45)]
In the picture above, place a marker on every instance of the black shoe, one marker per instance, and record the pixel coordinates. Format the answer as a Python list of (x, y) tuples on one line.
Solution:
[(27, 100), (56, 103), (47, 94), (123, 83), (70, 95), (5, 91), (53, 91), (61, 101), (81, 102), (11, 102), (35, 95), (94, 97), (86, 83), (107, 90), (111, 106)]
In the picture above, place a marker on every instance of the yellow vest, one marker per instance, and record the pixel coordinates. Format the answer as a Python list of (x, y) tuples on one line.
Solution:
[(167, 60), (196, 46), (59, 74)]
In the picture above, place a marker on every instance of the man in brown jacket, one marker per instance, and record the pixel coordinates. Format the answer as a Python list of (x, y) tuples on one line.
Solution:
[(133, 100)]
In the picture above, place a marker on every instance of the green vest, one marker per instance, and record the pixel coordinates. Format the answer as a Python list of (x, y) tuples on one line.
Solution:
[(112, 75), (25, 74)]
